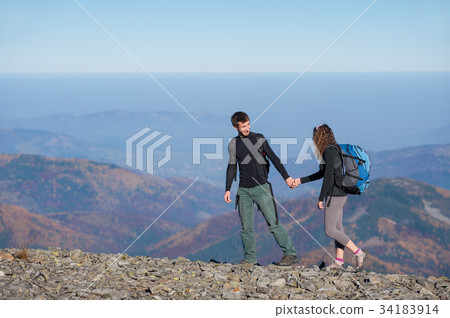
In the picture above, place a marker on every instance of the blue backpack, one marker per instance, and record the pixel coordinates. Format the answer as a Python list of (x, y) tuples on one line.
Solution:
[(355, 169)]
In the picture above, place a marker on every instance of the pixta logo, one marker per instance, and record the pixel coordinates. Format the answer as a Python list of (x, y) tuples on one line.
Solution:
[(140, 149), (284, 142)]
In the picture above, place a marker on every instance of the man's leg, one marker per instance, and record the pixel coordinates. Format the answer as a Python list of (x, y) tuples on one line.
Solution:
[(246, 210), (261, 195)]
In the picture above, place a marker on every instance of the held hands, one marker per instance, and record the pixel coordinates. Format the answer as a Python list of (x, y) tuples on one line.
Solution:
[(293, 183)]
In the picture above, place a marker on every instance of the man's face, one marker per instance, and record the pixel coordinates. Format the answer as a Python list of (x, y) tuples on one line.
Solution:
[(244, 128)]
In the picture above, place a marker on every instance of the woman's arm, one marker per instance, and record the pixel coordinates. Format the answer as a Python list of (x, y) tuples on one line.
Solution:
[(315, 176)]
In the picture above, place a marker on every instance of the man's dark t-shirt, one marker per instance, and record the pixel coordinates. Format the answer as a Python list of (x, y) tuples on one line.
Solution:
[(243, 150)]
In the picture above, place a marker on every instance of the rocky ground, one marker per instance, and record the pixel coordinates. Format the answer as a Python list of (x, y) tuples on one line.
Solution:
[(61, 274)]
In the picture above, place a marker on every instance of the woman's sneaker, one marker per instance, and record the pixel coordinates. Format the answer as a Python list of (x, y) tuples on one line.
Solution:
[(360, 260), (334, 265)]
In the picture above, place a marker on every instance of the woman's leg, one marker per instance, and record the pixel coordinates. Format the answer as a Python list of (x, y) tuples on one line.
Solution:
[(333, 221), (339, 253), (335, 229), (340, 227), (352, 247)]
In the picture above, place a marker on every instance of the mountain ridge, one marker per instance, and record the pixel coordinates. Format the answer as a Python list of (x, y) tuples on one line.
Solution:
[(19, 226), (44, 184), (426, 163), (102, 199)]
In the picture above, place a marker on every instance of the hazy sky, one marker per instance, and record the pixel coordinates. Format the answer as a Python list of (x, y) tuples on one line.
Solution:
[(234, 36)]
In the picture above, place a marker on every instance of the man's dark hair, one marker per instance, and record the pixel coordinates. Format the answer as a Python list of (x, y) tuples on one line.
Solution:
[(239, 117)]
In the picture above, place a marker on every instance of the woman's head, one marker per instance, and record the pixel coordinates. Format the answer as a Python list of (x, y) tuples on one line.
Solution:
[(322, 137)]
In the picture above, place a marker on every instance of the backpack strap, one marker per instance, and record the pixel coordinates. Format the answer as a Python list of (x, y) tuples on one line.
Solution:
[(273, 200), (338, 149), (263, 155), (234, 139)]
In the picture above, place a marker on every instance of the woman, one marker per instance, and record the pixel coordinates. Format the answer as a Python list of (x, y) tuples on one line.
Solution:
[(335, 197)]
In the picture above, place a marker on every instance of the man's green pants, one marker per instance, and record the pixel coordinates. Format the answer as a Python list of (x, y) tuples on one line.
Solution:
[(261, 196)]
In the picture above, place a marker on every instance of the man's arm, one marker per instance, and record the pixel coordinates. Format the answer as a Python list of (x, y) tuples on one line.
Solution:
[(231, 172), (231, 169), (277, 163)]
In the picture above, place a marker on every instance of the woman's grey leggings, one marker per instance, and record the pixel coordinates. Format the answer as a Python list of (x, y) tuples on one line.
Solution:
[(333, 221)]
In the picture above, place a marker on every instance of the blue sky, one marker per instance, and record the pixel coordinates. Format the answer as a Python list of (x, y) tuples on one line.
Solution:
[(224, 36)]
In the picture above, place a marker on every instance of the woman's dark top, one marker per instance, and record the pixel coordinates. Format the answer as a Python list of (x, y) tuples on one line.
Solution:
[(326, 171)]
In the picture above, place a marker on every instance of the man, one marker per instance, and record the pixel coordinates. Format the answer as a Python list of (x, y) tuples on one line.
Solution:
[(249, 149)]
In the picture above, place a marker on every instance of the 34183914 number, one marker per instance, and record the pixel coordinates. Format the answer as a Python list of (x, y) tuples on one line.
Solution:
[(409, 309)]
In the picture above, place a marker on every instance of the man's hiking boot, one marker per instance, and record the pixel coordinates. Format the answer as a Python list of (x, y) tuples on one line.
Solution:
[(244, 261), (360, 260), (287, 260), (333, 266)]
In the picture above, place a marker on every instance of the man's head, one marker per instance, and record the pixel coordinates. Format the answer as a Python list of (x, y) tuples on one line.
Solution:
[(241, 122)]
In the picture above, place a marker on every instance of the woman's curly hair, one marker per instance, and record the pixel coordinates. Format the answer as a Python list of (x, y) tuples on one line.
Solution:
[(322, 137)]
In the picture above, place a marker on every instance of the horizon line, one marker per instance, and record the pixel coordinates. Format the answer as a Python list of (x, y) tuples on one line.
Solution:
[(226, 72)]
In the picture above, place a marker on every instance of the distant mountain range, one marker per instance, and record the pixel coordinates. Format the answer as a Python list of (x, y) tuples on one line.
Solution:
[(104, 200), (45, 143), (21, 227), (75, 230), (44, 185), (101, 137), (429, 163), (39, 142), (110, 129), (77, 203)]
